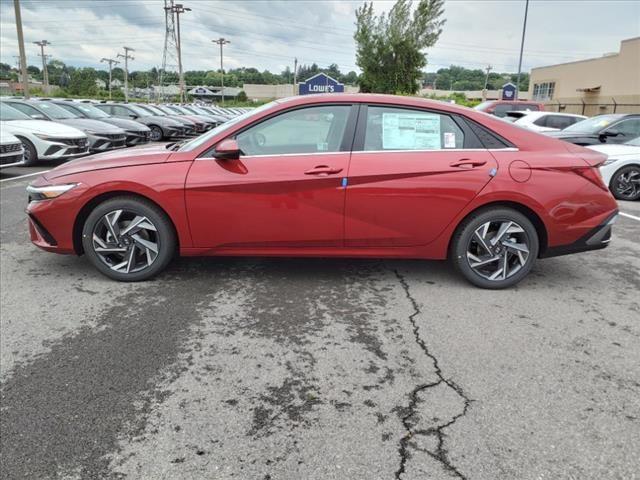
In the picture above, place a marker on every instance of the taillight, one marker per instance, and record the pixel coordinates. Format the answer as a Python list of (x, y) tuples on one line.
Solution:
[(593, 175)]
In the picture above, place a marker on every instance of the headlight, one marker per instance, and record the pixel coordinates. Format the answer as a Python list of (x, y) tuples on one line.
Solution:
[(610, 160), (90, 132), (48, 192)]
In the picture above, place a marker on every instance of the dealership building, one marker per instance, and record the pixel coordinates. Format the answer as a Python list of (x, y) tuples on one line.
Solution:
[(606, 84)]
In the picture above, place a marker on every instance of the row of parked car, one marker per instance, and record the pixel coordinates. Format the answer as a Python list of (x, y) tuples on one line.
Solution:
[(50, 129), (615, 135)]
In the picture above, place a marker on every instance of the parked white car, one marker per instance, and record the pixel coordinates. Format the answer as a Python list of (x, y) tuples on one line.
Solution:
[(11, 151), (543, 121), (621, 170), (41, 139)]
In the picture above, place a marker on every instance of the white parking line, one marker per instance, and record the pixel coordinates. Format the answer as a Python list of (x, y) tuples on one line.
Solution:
[(23, 176), (630, 216)]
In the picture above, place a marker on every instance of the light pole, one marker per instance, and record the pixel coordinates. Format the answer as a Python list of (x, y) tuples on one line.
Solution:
[(45, 73), (221, 41), (178, 8), (126, 57), (23, 56), (524, 30), (111, 62)]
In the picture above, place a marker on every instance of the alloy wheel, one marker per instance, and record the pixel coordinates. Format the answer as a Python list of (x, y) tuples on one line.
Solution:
[(156, 134), (627, 184), (498, 250), (125, 241)]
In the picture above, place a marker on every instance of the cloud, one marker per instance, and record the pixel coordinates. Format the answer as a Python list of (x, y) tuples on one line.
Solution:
[(269, 34)]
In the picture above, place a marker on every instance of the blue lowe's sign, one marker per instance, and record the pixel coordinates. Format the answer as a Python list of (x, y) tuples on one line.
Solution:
[(509, 91), (320, 83)]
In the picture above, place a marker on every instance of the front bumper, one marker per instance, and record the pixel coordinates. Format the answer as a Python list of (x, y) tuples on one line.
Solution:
[(102, 143), (595, 239), (11, 157), (137, 137), (66, 148)]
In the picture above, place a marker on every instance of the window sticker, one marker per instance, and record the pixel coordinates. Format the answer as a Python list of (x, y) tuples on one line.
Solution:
[(411, 131), (449, 140)]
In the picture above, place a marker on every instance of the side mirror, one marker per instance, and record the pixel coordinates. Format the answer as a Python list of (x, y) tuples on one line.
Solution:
[(131, 115), (38, 116), (227, 150), (611, 133)]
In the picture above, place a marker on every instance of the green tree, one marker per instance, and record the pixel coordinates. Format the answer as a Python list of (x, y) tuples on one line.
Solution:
[(83, 82), (390, 47)]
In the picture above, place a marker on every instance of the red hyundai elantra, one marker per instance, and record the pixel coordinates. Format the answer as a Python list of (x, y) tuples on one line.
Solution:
[(333, 175)]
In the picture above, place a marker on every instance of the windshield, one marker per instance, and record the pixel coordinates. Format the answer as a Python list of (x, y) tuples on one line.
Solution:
[(592, 125), (54, 111), (89, 110), (202, 139), (165, 109), (634, 142), (9, 113), (142, 112), (181, 110), (153, 109)]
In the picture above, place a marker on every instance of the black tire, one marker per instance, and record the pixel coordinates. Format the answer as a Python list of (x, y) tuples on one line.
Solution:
[(464, 238), (30, 153), (156, 133), (626, 190), (164, 236)]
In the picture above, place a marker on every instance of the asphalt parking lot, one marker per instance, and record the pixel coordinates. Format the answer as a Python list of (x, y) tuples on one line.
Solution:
[(316, 369)]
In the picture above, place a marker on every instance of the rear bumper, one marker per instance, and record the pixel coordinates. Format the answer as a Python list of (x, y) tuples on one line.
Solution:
[(595, 239)]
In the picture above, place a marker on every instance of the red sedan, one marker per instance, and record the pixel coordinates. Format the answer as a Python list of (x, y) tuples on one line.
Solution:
[(333, 175)]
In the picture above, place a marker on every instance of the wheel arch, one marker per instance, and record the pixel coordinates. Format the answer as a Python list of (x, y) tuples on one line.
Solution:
[(88, 207), (532, 216)]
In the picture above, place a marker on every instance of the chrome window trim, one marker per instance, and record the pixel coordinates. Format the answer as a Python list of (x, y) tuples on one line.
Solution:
[(359, 152)]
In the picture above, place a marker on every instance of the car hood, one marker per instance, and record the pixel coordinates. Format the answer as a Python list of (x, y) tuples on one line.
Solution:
[(617, 150), (113, 159), (42, 127), (160, 120), (7, 138), (126, 124), (88, 124), (562, 134)]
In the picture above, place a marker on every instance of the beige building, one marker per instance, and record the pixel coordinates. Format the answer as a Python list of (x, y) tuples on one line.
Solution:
[(607, 84), (268, 92)]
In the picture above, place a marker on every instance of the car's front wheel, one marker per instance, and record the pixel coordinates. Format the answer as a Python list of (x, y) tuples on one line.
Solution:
[(30, 153), (128, 239), (625, 184), (156, 133), (495, 248)]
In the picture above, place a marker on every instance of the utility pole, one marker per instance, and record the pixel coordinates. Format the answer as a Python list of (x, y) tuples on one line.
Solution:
[(222, 42), (23, 56), (295, 75), (45, 73), (126, 57), (178, 8), (486, 83), (524, 29), (111, 63)]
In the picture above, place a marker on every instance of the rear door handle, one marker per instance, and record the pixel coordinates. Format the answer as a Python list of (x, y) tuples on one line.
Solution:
[(323, 170), (467, 162)]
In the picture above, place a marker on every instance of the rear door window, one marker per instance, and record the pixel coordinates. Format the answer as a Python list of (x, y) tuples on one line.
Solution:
[(502, 108), (390, 128)]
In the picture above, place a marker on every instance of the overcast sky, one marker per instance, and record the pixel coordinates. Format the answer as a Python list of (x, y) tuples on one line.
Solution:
[(268, 34)]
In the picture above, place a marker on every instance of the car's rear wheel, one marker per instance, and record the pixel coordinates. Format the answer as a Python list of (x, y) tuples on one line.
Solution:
[(128, 239), (625, 184), (156, 133), (495, 248), (30, 152)]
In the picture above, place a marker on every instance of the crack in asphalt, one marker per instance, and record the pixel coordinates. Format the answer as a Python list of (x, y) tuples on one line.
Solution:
[(441, 454)]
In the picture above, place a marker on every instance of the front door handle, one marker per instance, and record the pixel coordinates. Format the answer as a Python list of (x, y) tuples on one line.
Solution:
[(323, 170), (467, 162)]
